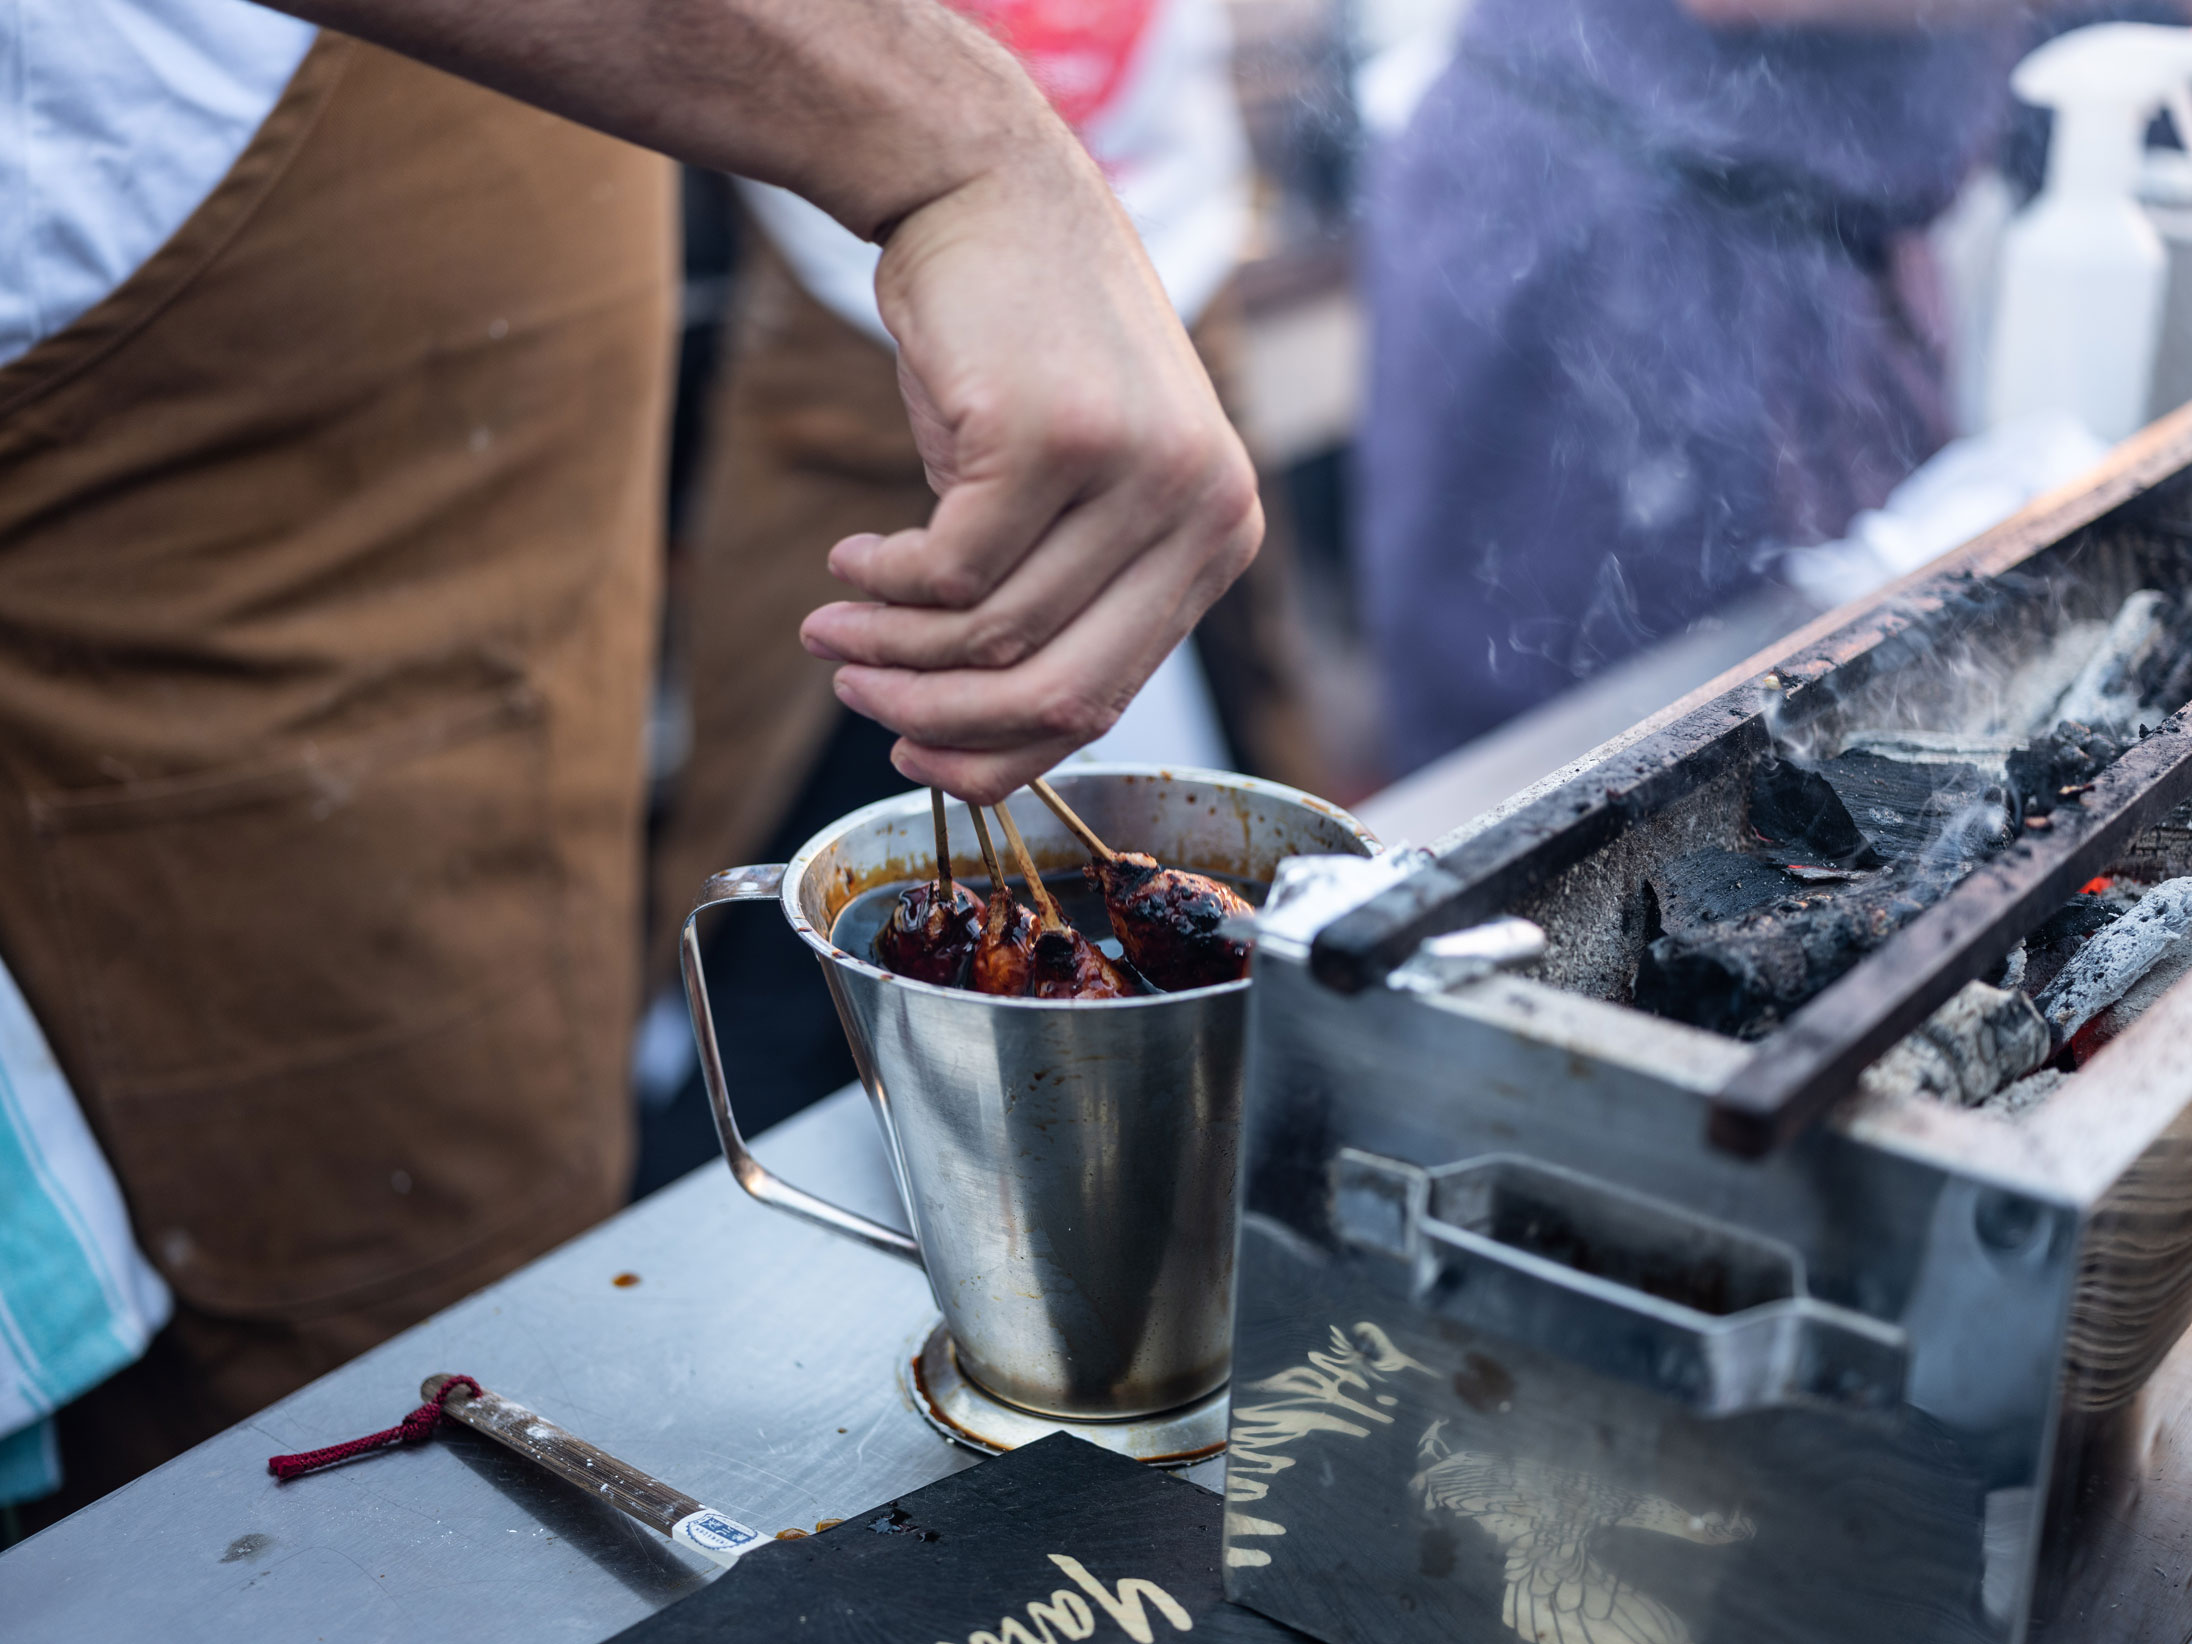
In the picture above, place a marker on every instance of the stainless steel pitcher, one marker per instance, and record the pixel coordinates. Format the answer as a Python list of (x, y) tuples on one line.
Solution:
[(1068, 1169)]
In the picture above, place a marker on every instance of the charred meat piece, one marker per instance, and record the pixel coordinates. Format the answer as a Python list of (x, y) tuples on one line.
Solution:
[(1004, 960), (1067, 965), (1168, 919), (1064, 963), (931, 934)]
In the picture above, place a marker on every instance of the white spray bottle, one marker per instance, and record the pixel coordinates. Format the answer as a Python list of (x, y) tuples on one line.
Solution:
[(2083, 271)]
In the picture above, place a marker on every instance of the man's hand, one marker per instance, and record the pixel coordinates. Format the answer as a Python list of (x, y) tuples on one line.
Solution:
[(1094, 500)]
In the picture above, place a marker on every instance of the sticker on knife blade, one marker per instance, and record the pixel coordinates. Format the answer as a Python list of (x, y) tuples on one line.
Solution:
[(715, 1536)]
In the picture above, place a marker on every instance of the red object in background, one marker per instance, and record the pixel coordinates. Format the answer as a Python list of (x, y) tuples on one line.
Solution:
[(2094, 887), (1078, 51)]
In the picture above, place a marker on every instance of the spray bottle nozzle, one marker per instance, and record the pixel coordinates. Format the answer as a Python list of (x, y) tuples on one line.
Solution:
[(2105, 83)]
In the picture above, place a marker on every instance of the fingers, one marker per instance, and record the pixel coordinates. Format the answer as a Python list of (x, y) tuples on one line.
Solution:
[(1198, 504), (1066, 570), (1074, 688), (982, 528), (978, 778)]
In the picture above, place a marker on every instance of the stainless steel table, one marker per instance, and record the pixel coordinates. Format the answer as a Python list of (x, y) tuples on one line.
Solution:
[(753, 1364)]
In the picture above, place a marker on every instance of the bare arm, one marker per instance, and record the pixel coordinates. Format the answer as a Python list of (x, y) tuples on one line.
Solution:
[(869, 108), (1094, 501)]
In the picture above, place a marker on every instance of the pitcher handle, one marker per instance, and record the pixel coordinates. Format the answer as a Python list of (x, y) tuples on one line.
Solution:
[(761, 884)]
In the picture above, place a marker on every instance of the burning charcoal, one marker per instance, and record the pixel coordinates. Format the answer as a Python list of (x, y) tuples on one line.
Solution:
[(2025, 1094), (2104, 970), (2143, 667), (1978, 1043), (2138, 999), (1908, 810), (1742, 976), (2069, 756), (2065, 931), (1804, 874), (1798, 812), (1709, 887), (1917, 747), (1749, 939)]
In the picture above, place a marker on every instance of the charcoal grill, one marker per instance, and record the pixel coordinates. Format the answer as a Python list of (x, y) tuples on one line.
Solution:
[(1563, 1321)]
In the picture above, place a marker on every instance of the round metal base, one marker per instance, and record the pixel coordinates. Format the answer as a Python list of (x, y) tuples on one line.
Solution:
[(962, 1412)]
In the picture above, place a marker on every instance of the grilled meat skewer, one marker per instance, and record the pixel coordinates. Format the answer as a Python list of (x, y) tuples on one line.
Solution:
[(1167, 919), (1004, 960), (932, 932), (1066, 964)]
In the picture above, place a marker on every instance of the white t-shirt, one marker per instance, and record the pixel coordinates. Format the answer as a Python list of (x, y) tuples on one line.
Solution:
[(117, 118), (1168, 136)]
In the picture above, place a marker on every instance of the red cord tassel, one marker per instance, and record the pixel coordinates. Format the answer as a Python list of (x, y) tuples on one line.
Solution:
[(416, 1428)]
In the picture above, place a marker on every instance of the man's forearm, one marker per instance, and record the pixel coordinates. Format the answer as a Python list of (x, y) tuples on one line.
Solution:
[(870, 108)]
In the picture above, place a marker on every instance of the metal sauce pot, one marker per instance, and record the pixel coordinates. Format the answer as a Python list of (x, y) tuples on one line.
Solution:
[(1067, 1168)]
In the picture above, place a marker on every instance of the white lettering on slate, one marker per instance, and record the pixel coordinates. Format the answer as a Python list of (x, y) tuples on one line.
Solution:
[(1069, 1613)]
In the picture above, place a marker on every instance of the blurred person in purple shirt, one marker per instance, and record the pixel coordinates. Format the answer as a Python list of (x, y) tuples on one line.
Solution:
[(1649, 302)]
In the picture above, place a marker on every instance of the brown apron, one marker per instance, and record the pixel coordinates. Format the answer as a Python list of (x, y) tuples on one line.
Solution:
[(328, 556)]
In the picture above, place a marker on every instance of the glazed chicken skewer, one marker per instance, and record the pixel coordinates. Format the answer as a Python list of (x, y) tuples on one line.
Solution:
[(1004, 959), (933, 930), (1067, 965), (1168, 920)]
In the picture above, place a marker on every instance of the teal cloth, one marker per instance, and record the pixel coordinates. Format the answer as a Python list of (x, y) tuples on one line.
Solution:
[(30, 1464), (77, 1300)]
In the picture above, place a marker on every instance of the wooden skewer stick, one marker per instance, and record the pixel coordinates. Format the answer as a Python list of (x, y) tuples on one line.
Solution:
[(1074, 825), (943, 848), (1040, 892), (989, 851)]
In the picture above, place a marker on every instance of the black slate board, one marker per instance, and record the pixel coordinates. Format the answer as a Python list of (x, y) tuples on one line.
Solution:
[(970, 1552)]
